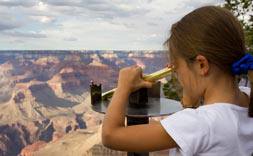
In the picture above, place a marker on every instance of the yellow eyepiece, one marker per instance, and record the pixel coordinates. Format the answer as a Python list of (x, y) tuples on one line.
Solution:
[(151, 77)]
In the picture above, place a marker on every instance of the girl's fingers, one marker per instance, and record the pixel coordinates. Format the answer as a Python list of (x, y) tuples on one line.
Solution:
[(134, 66), (170, 65), (147, 84), (139, 68)]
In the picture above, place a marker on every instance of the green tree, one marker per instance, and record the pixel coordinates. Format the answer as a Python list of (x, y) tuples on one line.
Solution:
[(172, 89), (243, 10)]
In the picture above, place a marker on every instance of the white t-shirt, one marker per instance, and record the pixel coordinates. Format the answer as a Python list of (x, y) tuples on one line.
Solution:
[(219, 129)]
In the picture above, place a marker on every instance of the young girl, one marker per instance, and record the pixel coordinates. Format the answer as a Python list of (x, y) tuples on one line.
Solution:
[(207, 50)]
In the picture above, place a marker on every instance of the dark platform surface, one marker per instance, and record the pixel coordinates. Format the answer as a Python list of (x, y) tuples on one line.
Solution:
[(154, 107)]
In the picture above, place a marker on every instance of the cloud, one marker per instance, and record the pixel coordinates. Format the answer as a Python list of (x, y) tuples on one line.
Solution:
[(17, 41), (193, 4), (30, 34), (63, 2), (17, 3), (7, 21), (43, 19), (8, 25), (70, 39), (96, 8), (90, 24)]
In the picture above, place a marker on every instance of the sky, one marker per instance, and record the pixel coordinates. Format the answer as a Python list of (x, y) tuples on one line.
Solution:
[(90, 24)]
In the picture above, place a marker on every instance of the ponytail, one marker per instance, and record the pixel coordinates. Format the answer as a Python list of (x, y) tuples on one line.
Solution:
[(244, 66), (250, 75)]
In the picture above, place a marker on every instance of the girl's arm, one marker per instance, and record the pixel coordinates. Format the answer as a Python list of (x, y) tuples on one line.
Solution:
[(138, 138)]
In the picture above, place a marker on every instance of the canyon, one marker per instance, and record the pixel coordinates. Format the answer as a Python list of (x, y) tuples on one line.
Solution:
[(45, 99)]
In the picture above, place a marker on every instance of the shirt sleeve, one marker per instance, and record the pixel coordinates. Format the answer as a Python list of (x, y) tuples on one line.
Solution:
[(188, 129)]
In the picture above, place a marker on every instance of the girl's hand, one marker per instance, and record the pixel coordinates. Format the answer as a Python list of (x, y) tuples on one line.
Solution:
[(130, 79)]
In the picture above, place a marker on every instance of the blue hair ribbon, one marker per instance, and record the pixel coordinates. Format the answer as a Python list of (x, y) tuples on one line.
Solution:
[(243, 65)]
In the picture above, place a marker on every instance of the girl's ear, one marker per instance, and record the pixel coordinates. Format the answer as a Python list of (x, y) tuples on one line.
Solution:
[(202, 65)]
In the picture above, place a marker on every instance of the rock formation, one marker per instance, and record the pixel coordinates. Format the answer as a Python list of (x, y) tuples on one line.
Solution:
[(45, 101)]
